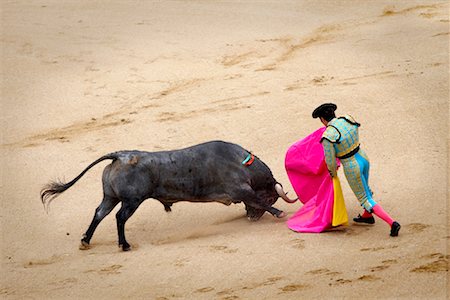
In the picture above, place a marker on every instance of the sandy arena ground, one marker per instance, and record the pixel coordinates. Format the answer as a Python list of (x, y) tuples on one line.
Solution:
[(84, 78)]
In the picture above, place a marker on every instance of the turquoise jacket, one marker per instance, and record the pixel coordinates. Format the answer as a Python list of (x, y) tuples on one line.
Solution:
[(339, 139)]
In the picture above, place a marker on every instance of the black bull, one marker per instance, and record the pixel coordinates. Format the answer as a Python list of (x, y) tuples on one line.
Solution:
[(209, 172)]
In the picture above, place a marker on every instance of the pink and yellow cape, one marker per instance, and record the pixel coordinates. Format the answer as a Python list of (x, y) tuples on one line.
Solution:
[(320, 193)]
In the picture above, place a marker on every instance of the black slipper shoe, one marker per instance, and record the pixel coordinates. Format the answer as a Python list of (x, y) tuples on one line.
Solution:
[(395, 228), (360, 219)]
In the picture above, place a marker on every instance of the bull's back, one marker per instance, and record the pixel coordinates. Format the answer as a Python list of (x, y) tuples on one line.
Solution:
[(199, 172)]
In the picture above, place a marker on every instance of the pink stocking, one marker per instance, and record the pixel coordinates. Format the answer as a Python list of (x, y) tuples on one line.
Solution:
[(379, 212)]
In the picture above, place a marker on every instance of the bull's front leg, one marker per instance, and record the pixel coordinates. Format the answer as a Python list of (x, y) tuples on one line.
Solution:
[(255, 211), (255, 205), (276, 212)]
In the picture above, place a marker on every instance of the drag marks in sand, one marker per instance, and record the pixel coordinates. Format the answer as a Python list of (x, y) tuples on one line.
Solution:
[(290, 47), (397, 70), (260, 55), (128, 113), (43, 262), (179, 86), (122, 116), (179, 116), (325, 80), (215, 106), (108, 270), (271, 53), (426, 11), (64, 134)]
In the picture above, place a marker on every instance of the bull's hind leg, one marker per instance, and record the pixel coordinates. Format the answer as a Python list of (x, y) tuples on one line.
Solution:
[(126, 211), (101, 212)]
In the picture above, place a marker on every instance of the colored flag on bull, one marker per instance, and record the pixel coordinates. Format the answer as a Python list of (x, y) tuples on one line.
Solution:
[(324, 205)]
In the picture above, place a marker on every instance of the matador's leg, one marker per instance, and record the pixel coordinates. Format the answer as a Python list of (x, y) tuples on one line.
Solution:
[(356, 169)]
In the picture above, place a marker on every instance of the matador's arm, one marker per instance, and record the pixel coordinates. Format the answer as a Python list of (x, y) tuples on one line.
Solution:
[(330, 157)]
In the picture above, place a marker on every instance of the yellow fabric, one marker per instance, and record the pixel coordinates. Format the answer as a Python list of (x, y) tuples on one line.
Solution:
[(339, 210)]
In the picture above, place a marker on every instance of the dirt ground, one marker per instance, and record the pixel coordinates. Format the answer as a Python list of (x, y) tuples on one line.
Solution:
[(84, 78)]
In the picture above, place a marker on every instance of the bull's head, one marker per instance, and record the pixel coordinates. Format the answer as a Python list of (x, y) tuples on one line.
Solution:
[(270, 196), (254, 214)]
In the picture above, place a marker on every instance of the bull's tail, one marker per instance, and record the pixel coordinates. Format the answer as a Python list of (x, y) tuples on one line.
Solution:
[(55, 188)]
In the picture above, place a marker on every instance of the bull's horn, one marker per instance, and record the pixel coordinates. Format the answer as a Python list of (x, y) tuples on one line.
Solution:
[(282, 194)]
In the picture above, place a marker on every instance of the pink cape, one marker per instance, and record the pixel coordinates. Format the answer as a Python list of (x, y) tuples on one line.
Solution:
[(308, 173)]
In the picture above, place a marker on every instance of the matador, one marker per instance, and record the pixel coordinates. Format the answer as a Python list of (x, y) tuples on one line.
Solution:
[(341, 140)]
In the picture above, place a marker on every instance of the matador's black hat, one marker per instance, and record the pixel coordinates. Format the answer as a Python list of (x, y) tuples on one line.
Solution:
[(319, 112)]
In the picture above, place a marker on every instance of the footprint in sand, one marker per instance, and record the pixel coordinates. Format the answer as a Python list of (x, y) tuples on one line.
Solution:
[(375, 249), (232, 297), (168, 297), (321, 80), (350, 231), (298, 244), (340, 281), (379, 268), (417, 227), (225, 292), (224, 249), (65, 283), (389, 261), (368, 278), (293, 288), (323, 271), (385, 264), (205, 290), (227, 295), (110, 270), (181, 262), (6, 291), (439, 264), (268, 281), (113, 269)]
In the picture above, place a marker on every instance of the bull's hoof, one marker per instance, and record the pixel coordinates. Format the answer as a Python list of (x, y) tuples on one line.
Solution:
[(281, 215), (125, 247), (84, 245)]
